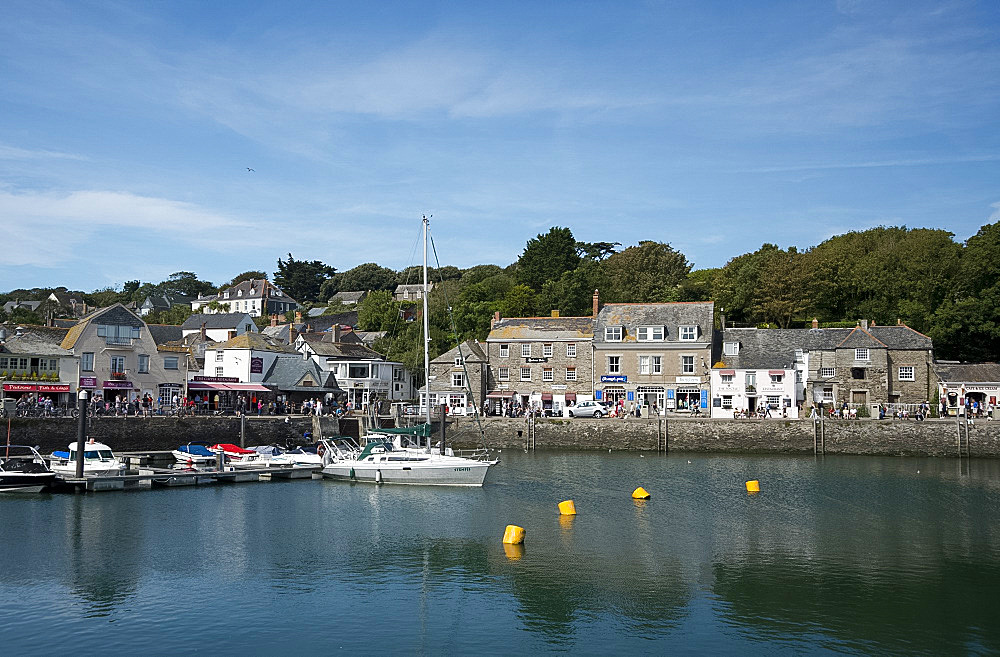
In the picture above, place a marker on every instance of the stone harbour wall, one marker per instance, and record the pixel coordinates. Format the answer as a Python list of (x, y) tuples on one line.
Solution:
[(873, 437), (777, 436)]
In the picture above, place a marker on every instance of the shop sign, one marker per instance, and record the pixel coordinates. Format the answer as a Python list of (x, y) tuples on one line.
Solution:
[(18, 387), (48, 387), (558, 387), (117, 385), (614, 378), (257, 365), (687, 379), (536, 360), (214, 379), (88, 381)]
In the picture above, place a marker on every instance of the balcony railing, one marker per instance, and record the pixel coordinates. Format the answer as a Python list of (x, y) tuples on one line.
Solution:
[(117, 340), (119, 376)]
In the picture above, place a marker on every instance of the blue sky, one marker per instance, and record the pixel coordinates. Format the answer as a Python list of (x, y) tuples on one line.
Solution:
[(126, 129)]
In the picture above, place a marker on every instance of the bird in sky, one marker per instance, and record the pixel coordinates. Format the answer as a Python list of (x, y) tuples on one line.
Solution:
[(249, 169)]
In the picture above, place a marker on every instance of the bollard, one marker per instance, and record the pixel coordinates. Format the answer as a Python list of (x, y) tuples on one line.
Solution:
[(81, 433)]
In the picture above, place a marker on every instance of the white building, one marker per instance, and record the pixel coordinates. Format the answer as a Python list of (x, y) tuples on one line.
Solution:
[(363, 374), (759, 369), (255, 297), (219, 327)]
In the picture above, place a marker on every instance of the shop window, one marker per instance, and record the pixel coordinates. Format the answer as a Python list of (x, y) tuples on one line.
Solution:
[(727, 401)]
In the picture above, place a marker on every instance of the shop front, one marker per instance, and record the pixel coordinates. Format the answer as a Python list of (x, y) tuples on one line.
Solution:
[(499, 401), (59, 392), (228, 395)]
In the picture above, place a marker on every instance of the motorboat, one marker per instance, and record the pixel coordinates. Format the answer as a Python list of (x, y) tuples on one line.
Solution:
[(98, 461), (194, 454), (236, 455), (381, 462), (23, 470)]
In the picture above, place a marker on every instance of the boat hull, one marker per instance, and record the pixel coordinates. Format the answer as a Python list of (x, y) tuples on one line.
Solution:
[(26, 482), (472, 473)]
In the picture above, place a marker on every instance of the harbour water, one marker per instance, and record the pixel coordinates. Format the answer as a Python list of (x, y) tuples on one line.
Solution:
[(856, 555)]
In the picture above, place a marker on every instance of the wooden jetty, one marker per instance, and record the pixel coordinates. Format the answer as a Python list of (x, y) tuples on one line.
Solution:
[(142, 475)]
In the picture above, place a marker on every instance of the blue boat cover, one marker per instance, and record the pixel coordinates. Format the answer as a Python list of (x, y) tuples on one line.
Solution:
[(195, 450), (61, 455), (268, 450)]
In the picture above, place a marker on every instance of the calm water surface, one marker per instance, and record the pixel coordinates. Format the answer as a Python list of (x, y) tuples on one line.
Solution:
[(851, 555)]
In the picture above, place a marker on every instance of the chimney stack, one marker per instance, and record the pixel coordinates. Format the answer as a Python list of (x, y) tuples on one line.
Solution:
[(204, 335), (496, 318), (274, 320), (864, 324), (336, 332), (298, 316), (815, 323), (596, 299)]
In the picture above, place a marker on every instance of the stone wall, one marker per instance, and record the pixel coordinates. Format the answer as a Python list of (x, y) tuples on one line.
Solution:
[(162, 433), (874, 437)]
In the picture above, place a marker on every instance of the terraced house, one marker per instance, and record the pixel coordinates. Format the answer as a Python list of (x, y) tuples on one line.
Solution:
[(118, 357), (654, 353), (540, 362)]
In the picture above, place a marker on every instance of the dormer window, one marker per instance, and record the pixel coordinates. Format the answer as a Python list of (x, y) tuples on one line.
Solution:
[(225, 295), (239, 293), (649, 334), (689, 333), (731, 348), (612, 333)]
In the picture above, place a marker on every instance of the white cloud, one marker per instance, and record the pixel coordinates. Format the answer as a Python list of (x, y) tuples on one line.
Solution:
[(50, 229), (14, 153)]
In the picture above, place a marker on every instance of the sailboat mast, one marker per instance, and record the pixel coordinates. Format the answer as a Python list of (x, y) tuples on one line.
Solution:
[(427, 335)]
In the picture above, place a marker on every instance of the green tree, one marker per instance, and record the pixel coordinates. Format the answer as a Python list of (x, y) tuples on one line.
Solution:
[(368, 276), (104, 297), (572, 294), (519, 302), (547, 257), (302, 279), (186, 283), (697, 286), (378, 312), (245, 276), (649, 272), (174, 315), (596, 250)]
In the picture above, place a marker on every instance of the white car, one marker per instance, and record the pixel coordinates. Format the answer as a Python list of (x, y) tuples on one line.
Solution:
[(588, 409)]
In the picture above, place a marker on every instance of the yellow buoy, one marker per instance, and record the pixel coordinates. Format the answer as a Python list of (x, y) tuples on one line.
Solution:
[(753, 486), (514, 535), (513, 552), (640, 494), (567, 508)]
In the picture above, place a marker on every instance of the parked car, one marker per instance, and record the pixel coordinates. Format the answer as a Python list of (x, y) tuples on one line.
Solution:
[(588, 409)]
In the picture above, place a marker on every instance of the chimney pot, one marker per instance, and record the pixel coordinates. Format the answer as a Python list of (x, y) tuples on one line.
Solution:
[(864, 324), (596, 302)]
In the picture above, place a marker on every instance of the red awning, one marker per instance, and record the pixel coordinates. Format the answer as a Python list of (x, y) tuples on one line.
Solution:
[(501, 394), (201, 385), (571, 396), (256, 387), (247, 387), (727, 372), (546, 396), (776, 371)]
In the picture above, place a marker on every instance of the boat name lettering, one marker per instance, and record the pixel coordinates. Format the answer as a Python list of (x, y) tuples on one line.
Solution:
[(463, 469)]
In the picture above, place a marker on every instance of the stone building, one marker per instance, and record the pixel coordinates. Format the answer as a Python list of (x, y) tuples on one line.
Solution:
[(459, 378), (540, 362), (961, 384), (869, 365), (758, 368), (654, 353)]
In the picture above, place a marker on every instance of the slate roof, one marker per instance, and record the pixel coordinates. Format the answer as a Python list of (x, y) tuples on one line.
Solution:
[(64, 323), (316, 312), (326, 322), (472, 350), (215, 321), (30, 305), (163, 333), (257, 342), (670, 315), (343, 350), (967, 372), (116, 314), (286, 372), (775, 348), (348, 297), (542, 328), (167, 301), (369, 337), (414, 287), (252, 289), (279, 332), (37, 340)]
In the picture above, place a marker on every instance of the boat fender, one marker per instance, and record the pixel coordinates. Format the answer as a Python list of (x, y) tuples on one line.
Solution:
[(352, 473), (378, 476), (321, 450)]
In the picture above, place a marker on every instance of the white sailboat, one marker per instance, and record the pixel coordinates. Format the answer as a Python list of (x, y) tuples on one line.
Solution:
[(385, 459)]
